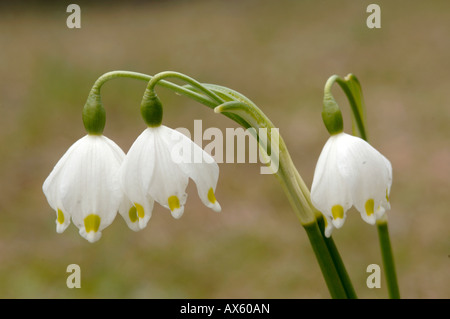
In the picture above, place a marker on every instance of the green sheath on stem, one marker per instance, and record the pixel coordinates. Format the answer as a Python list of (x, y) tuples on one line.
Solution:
[(94, 115), (151, 109)]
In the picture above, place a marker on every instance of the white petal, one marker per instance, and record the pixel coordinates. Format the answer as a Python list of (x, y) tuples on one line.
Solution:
[(149, 173), (177, 212), (372, 179), (330, 191), (129, 213), (386, 204), (91, 236), (329, 227), (169, 182), (200, 166), (85, 182), (52, 189), (136, 174), (97, 190), (62, 220)]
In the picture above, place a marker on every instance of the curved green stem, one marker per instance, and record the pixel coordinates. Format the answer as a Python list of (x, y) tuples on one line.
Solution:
[(350, 86), (170, 74), (211, 100), (330, 262), (144, 77)]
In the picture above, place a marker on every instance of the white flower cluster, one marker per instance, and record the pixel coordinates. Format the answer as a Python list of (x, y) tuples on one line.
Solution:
[(95, 179)]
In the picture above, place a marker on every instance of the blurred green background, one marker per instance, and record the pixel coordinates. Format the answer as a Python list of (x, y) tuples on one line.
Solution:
[(279, 54)]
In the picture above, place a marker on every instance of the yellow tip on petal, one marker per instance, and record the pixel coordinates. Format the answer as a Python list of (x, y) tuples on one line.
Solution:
[(211, 196), (132, 214), (92, 223), (60, 216), (174, 202), (337, 211), (387, 195), (369, 206), (140, 210)]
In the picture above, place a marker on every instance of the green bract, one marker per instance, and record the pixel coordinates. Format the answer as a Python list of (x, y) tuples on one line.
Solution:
[(151, 109), (331, 115), (94, 115)]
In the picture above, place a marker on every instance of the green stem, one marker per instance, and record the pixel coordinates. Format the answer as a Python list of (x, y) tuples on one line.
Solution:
[(144, 77), (186, 91), (356, 110), (327, 266), (170, 74), (388, 259), (337, 260), (298, 195), (335, 255), (330, 261)]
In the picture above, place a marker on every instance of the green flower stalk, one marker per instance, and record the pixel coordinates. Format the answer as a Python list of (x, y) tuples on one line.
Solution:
[(351, 172)]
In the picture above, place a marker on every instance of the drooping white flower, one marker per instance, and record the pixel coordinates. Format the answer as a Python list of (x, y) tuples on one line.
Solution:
[(350, 172), (158, 167), (84, 186)]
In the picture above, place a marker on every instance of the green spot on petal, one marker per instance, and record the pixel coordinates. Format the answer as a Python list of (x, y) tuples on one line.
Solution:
[(174, 202), (211, 196), (132, 214), (369, 206), (140, 210), (92, 223), (60, 216), (337, 211)]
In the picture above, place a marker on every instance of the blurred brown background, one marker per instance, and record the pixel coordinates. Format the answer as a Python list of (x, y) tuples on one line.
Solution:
[(279, 54)]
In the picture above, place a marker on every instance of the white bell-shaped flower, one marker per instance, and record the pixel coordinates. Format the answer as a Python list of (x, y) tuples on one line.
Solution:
[(158, 167), (350, 172), (84, 186)]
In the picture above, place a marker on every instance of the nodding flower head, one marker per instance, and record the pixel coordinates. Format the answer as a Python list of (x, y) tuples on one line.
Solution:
[(84, 187), (158, 167), (350, 172)]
